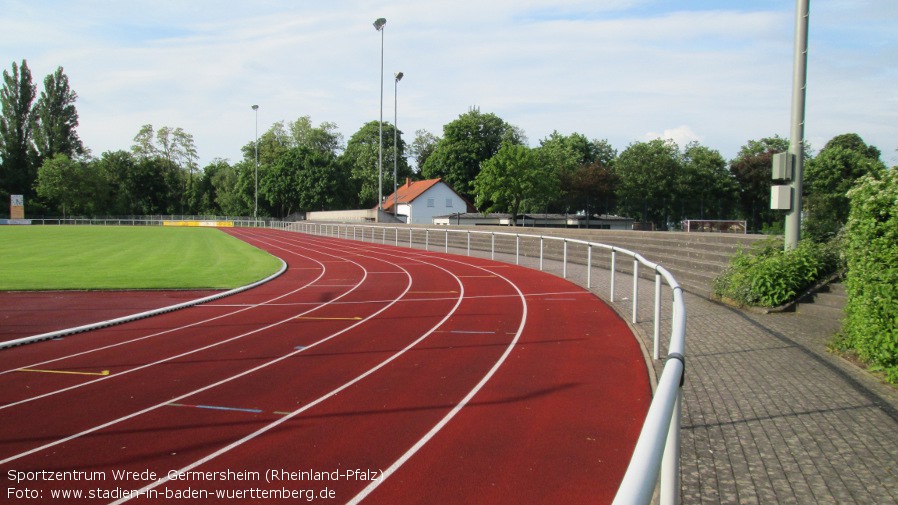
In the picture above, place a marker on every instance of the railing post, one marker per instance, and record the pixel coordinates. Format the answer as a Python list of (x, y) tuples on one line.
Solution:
[(657, 336), (426, 239), (493, 246), (613, 258), (564, 261), (635, 287), (447, 240), (469, 242), (517, 249), (541, 240), (588, 266)]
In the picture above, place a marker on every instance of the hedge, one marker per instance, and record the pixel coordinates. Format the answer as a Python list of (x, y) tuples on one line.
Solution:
[(871, 251)]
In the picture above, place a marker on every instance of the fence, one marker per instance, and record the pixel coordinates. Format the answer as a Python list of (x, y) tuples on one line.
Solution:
[(655, 460), (243, 222)]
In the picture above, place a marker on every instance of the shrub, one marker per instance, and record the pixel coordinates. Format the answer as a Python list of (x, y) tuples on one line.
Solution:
[(768, 276), (871, 250)]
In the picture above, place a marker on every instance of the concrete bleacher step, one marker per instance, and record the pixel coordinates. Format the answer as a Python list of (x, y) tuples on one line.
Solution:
[(827, 303)]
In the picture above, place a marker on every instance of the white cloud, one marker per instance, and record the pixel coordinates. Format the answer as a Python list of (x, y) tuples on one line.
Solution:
[(611, 70), (682, 135)]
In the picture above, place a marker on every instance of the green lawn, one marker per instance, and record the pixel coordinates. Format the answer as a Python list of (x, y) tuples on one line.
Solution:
[(123, 257)]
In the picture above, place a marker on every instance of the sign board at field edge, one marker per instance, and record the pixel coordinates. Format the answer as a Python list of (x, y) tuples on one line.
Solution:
[(16, 207)]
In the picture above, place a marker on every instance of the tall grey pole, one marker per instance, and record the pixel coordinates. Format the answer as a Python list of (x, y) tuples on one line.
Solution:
[(256, 186), (379, 25), (396, 142), (796, 136)]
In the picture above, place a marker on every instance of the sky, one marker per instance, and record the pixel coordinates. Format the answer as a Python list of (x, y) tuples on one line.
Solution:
[(716, 72)]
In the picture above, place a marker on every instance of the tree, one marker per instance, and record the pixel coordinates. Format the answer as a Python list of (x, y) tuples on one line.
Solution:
[(828, 178), (467, 142), (145, 143), (323, 139), (55, 118), (647, 173), (176, 153), (58, 181), (590, 187), (853, 142), (512, 177), (74, 187), (752, 169), (227, 194), (361, 160), (583, 168), (17, 169), (117, 169), (422, 147), (705, 188)]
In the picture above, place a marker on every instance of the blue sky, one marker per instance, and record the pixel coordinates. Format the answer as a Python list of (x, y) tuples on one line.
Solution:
[(718, 72)]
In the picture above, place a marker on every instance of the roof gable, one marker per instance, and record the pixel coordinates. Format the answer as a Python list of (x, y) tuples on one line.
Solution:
[(409, 191)]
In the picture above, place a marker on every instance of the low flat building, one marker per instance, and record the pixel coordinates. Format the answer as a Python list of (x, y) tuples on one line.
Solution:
[(598, 222)]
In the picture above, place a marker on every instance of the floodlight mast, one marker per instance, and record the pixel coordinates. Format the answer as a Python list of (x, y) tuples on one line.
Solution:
[(396, 142), (796, 136), (256, 186), (379, 26)]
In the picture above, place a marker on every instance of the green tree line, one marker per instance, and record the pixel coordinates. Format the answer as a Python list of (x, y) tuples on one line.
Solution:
[(303, 167)]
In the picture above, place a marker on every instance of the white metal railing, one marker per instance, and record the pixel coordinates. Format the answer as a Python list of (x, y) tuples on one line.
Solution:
[(656, 458)]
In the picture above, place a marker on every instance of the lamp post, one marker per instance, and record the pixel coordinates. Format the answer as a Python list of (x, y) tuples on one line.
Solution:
[(796, 137), (379, 26), (396, 142), (256, 186)]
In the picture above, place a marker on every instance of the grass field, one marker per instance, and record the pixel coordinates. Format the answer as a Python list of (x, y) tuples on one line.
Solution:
[(122, 257)]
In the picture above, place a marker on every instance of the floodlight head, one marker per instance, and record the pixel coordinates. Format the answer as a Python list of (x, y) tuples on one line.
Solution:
[(398, 76), (255, 107), (379, 24)]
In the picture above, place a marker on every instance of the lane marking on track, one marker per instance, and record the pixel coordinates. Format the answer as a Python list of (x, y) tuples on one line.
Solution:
[(216, 407), (296, 412), (433, 292), (385, 474), (235, 377), (313, 318), (477, 276), (68, 372), (228, 409), (468, 332)]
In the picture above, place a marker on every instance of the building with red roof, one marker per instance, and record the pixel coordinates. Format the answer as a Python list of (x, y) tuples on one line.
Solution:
[(418, 202)]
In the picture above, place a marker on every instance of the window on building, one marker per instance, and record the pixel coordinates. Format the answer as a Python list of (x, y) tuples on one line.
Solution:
[(448, 203), (430, 202)]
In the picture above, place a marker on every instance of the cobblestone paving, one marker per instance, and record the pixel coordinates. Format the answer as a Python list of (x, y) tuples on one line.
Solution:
[(769, 416)]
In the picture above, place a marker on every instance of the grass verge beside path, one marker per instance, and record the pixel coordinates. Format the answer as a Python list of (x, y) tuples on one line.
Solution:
[(122, 257)]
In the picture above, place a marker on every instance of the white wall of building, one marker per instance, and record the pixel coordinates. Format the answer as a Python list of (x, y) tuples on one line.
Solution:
[(436, 201)]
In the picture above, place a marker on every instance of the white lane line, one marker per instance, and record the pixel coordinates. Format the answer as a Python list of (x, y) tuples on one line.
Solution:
[(170, 358), (304, 408), (452, 413), (200, 390), (172, 330)]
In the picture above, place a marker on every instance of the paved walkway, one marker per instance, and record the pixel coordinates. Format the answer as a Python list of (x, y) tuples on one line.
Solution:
[(770, 416)]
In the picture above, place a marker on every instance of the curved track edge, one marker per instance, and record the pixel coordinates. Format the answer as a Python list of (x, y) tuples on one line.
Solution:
[(141, 315)]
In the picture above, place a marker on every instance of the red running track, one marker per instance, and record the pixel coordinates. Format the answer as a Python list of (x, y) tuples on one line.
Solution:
[(366, 373)]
